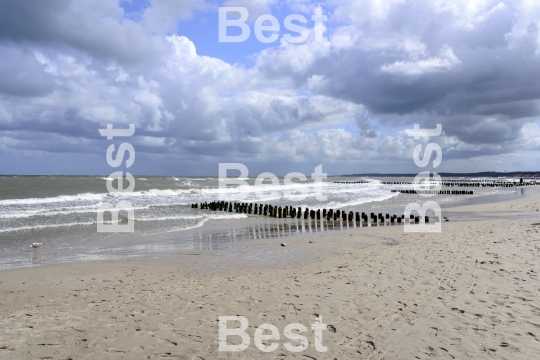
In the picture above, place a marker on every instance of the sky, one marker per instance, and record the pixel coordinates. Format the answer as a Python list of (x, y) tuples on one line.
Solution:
[(346, 97)]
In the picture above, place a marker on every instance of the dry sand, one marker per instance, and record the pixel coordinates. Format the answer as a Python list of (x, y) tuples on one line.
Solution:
[(471, 291)]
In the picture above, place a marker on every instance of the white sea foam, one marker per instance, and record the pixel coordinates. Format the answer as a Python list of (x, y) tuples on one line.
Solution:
[(50, 213), (360, 202), (203, 219), (97, 197), (56, 199), (216, 216), (45, 226)]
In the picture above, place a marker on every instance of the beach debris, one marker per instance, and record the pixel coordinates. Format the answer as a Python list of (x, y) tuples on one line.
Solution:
[(36, 245), (283, 244), (446, 219), (331, 328), (311, 242)]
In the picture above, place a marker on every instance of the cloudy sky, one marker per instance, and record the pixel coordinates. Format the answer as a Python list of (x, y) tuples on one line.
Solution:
[(69, 67)]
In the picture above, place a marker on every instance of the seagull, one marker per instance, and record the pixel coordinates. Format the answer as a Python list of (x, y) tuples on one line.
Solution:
[(36, 245)]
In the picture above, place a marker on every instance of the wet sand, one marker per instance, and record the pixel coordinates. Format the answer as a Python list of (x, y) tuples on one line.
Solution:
[(470, 291)]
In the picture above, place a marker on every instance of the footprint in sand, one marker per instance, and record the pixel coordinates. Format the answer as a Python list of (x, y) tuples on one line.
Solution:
[(433, 331)]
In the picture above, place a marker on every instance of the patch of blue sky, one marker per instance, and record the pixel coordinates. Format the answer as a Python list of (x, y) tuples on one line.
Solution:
[(133, 9), (203, 30)]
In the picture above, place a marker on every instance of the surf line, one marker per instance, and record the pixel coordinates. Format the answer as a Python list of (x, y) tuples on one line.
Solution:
[(124, 206)]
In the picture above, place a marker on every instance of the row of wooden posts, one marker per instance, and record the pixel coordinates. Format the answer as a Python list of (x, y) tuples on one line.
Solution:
[(470, 184), (293, 212), (435, 192), (351, 182)]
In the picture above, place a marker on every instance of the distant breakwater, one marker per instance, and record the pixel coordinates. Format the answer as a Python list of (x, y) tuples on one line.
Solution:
[(457, 183), (435, 192)]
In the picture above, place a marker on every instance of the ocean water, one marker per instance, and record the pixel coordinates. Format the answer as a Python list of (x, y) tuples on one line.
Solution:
[(61, 211)]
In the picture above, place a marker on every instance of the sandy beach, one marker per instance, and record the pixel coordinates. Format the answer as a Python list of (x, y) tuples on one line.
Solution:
[(471, 291)]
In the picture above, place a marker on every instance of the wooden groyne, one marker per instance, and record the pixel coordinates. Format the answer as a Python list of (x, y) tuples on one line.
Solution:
[(360, 218), (435, 192), (351, 182)]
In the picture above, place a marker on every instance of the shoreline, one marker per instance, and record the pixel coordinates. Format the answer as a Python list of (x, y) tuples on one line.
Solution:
[(218, 235), (469, 291)]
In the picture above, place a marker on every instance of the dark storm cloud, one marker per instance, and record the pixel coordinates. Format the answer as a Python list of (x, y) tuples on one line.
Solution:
[(62, 122), (21, 74), (478, 130), (94, 27)]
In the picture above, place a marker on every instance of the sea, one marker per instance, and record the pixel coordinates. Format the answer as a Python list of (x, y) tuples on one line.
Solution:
[(61, 212)]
